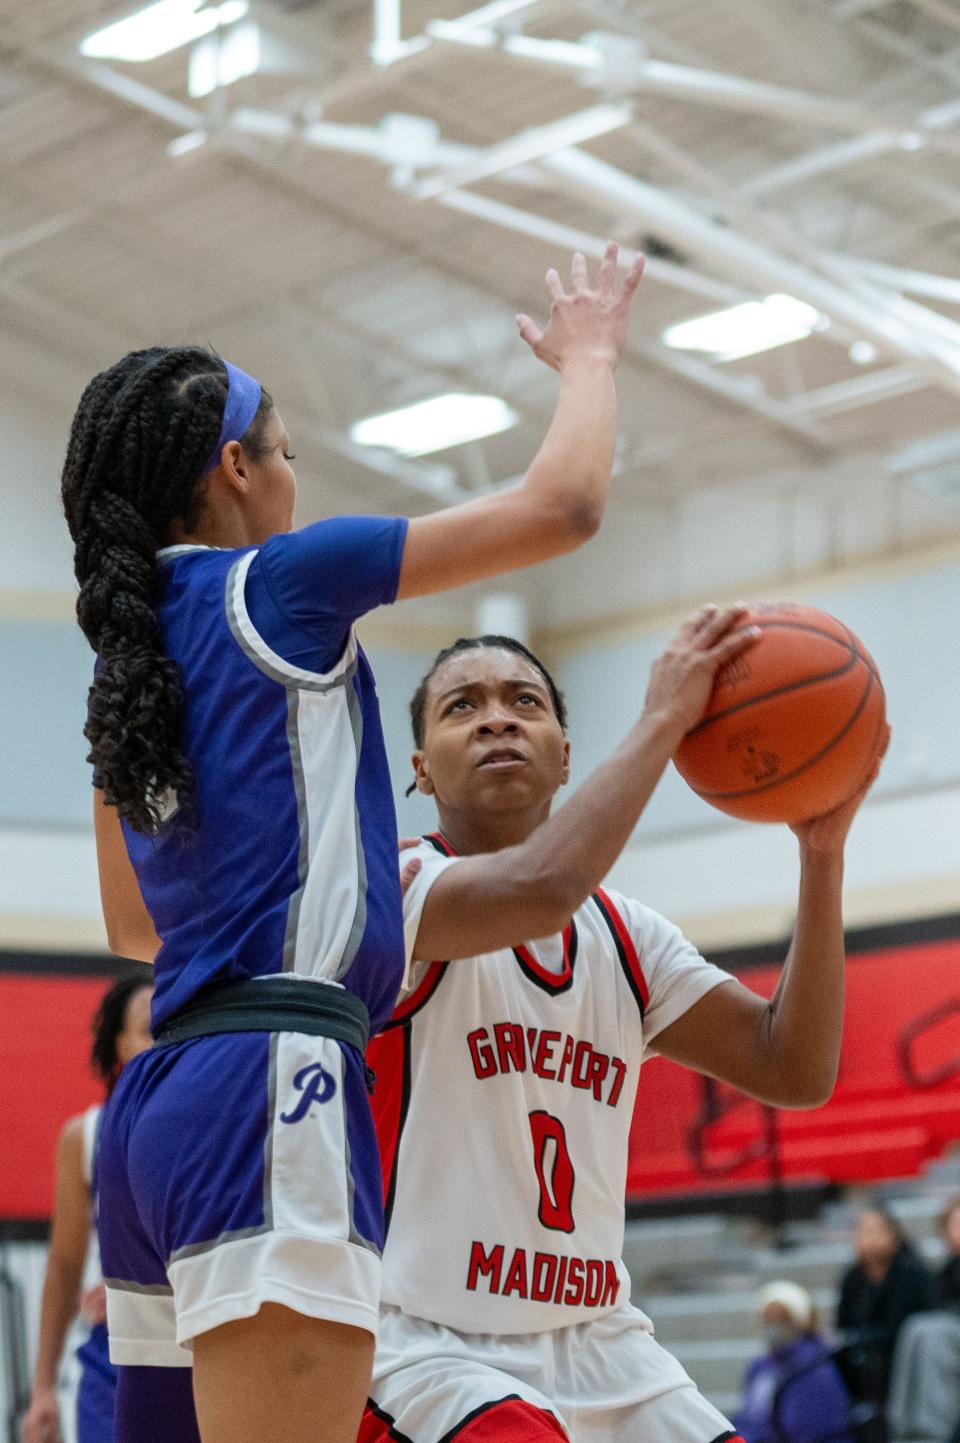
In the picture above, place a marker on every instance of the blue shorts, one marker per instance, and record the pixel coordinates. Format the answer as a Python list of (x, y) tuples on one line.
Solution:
[(97, 1390), (233, 1171)]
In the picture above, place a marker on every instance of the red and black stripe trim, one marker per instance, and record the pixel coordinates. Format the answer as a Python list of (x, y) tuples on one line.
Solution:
[(730, 1437), (552, 982), (547, 981), (378, 1425), (464, 1424), (626, 950), (405, 1042)]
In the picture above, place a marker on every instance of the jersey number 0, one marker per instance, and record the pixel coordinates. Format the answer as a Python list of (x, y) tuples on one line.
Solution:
[(555, 1174)]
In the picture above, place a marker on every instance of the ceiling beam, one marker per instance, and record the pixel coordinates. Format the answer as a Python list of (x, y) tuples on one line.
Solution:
[(753, 264)]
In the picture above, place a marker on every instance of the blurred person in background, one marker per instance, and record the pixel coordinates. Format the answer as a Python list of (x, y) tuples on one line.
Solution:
[(883, 1287), (924, 1400), (793, 1393), (121, 1029)]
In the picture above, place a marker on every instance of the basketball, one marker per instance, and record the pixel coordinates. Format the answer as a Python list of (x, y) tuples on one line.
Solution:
[(793, 725)]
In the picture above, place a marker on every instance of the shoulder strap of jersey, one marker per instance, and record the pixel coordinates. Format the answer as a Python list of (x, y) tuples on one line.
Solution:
[(626, 950)]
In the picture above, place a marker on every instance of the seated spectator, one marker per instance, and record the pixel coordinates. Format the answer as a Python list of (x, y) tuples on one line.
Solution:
[(924, 1400), (793, 1393), (887, 1283)]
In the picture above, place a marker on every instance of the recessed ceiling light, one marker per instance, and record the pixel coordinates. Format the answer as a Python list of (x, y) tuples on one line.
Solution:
[(448, 420), (863, 353), (160, 28), (746, 329)]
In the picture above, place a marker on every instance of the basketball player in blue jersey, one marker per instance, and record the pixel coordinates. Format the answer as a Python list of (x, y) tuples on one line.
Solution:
[(246, 840), (506, 1079)]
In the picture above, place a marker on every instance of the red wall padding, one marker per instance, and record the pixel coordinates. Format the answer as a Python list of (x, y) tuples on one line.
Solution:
[(45, 1078), (874, 1126)]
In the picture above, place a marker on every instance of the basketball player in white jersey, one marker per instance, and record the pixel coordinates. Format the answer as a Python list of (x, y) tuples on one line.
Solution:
[(507, 1075)]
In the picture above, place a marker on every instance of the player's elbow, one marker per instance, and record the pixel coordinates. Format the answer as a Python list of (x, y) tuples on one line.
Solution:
[(807, 1089), (577, 521), (134, 944)]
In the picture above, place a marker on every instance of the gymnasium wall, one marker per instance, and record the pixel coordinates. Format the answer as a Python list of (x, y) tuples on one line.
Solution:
[(726, 881), (731, 882)]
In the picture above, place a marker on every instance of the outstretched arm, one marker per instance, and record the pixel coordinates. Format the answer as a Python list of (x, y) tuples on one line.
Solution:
[(784, 1052), (498, 899), (61, 1284), (561, 499)]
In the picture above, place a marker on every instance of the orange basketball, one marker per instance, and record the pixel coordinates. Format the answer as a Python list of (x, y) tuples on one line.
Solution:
[(793, 725)]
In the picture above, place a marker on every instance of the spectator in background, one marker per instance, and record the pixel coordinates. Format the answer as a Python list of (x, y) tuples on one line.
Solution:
[(887, 1283), (793, 1393), (924, 1400), (121, 1029)]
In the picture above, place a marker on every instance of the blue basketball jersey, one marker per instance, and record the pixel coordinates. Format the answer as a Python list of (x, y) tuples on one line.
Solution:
[(287, 860)]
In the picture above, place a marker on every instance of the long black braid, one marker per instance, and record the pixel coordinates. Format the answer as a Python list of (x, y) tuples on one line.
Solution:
[(140, 438)]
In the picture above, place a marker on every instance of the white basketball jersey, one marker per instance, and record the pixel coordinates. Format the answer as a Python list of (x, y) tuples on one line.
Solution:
[(504, 1096), (92, 1273)]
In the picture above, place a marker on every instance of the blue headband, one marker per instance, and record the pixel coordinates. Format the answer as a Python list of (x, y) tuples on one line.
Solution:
[(243, 401)]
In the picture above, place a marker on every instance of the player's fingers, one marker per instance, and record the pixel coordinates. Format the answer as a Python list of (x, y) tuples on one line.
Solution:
[(607, 274), (408, 873), (554, 285), (579, 276), (694, 624), (529, 331), (632, 279), (722, 621), (405, 843), (733, 645)]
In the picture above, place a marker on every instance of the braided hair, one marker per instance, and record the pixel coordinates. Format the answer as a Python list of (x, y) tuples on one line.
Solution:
[(418, 703), (138, 445), (110, 1019)]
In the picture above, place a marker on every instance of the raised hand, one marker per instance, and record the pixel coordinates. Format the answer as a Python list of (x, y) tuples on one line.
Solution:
[(682, 677), (585, 323), (828, 833)]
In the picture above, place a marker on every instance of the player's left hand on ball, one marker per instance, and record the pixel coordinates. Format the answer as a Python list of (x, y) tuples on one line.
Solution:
[(829, 832)]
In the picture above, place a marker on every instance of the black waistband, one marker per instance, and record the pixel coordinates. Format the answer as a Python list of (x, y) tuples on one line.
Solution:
[(270, 1004)]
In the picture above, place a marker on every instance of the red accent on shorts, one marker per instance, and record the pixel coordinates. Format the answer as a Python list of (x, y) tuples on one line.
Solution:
[(376, 1426), (626, 941), (510, 1421)]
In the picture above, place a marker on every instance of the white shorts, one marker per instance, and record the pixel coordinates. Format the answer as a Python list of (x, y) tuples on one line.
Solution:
[(604, 1381)]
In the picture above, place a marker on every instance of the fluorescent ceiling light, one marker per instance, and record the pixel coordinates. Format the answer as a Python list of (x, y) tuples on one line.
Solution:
[(746, 329), (222, 60), (160, 28), (433, 425)]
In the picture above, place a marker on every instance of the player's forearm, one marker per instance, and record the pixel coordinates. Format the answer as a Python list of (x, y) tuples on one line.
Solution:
[(569, 855), (806, 1014), (571, 470), (59, 1306)]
